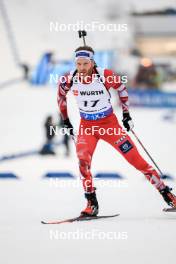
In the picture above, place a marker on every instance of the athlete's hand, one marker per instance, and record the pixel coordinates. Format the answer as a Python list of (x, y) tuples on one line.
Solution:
[(68, 126), (127, 121)]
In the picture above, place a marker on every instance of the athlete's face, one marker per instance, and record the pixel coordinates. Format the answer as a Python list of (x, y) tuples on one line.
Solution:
[(84, 66)]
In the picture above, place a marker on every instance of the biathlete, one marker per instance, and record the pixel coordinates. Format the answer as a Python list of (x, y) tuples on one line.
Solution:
[(90, 85)]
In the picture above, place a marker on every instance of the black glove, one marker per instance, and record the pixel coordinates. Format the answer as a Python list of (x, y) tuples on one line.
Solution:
[(127, 121), (68, 126)]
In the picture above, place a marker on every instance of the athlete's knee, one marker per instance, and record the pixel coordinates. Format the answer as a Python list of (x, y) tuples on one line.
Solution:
[(84, 163), (143, 166), (84, 167), (83, 155)]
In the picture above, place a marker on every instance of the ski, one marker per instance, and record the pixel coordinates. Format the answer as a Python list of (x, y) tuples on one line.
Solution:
[(169, 209), (79, 218)]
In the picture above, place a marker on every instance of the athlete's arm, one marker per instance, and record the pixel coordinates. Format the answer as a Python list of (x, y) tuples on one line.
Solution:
[(112, 80), (63, 88)]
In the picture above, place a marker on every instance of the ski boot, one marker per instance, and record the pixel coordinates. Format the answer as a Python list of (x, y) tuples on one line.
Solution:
[(169, 197), (92, 205)]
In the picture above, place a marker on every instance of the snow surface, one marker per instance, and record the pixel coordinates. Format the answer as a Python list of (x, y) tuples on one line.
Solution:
[(143, 232)]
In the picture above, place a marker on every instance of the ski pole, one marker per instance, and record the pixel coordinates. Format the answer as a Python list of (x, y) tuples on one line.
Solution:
[(139, 141), (74, 138)]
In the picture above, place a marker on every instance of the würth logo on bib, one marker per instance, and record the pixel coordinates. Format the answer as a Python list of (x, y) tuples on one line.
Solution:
[(91, 92), (75, 92)]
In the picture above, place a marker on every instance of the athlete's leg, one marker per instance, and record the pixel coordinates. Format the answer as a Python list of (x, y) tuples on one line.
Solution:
[(85, 147), (126, 147)]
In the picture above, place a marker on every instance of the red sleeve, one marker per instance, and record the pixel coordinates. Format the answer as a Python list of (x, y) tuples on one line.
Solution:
[(63, 88), (112, 80)]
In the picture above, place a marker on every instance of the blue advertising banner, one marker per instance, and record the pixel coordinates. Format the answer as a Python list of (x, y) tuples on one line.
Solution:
[(153, 98)]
